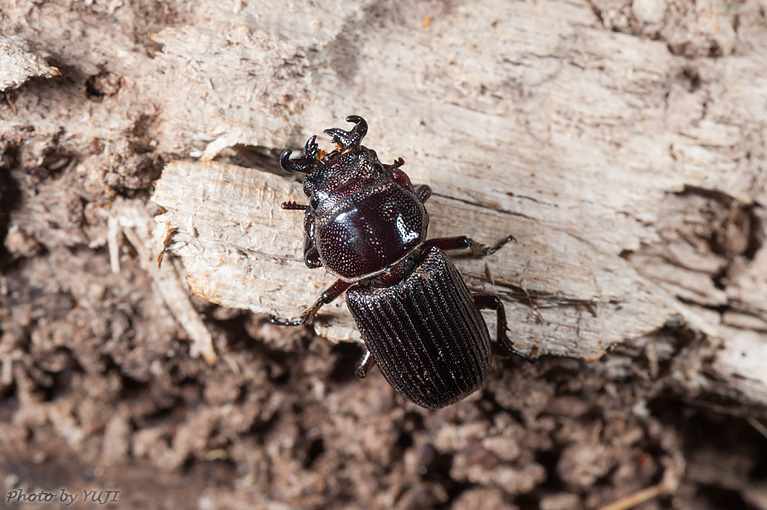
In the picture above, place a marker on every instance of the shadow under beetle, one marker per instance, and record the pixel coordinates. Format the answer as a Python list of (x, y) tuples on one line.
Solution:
[(366, 223)]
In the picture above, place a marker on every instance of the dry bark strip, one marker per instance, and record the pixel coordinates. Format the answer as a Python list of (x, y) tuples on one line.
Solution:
[(241, 250)]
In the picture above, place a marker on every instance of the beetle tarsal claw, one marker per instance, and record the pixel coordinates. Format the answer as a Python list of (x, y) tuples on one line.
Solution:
[(352, 138), (289, 322), (481, 250)]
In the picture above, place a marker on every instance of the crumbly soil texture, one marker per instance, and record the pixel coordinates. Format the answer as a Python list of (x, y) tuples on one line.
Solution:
[(101, 389)]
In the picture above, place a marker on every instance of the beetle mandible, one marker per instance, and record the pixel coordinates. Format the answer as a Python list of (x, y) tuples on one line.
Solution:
[(366, 224)]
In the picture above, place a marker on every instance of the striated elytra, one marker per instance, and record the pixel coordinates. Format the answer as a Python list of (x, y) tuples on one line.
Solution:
[(366, 224)]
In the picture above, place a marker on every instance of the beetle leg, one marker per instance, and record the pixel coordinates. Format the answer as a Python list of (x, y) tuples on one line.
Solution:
[(423, 192), (351, 138), (457, 243), (366, 363), (332, 292), (503, 345), (311, 256)]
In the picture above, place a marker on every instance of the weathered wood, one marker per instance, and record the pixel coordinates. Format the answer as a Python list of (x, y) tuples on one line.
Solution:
[(241, 250), (18, 64), (612, 159)]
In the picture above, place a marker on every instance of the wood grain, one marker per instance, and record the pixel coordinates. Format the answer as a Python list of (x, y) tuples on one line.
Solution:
[(631, 170), (241, 250)]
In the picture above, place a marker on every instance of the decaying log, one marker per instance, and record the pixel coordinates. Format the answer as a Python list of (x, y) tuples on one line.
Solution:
[(623, 143), (631, 171)]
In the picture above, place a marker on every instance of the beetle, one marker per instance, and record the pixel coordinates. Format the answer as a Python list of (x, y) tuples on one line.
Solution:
[(366, 224)]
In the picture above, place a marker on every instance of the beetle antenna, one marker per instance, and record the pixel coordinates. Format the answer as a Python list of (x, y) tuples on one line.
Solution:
[(349, 139), (306, 163), (293, 206)]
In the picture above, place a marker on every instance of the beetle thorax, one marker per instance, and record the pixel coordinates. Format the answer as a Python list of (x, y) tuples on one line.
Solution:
[(361, 220)]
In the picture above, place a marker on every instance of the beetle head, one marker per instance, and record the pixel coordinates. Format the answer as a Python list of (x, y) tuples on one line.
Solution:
[(311, 157), (346, 170)]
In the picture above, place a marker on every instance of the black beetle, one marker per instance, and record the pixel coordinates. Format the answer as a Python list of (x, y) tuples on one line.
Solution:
[(366, 223)]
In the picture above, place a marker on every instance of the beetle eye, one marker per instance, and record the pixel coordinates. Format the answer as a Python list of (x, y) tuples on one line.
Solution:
[(313, 203)]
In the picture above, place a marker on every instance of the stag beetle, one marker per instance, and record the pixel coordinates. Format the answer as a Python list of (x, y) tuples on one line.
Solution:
[(366, 224)]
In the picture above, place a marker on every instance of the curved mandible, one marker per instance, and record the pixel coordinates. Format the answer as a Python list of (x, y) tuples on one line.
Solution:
[(304, 164), (349, 139)]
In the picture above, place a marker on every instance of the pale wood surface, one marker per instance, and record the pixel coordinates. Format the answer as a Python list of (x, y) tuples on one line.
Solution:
[(614, 159), (18, 64), (241, 250)]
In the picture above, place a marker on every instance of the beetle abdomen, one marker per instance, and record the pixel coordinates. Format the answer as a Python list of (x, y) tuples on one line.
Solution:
[(425, 333)]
